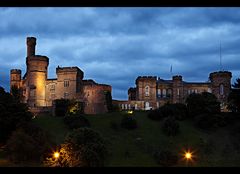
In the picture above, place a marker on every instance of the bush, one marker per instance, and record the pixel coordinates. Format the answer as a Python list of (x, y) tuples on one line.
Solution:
[(27, 143), (155, 114), (177, 110), (209, 121), (75, 121), (170, 126), (202, 103), (61, 107), (165, 158), (129, 122), (82, 148)]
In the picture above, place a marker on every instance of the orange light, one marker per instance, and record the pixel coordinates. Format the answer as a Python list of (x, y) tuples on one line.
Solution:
[(56, 155), (188, 155)]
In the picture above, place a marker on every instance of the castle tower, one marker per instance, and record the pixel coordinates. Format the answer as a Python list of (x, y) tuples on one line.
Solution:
[(36, 75), (15, 75), (221, 85), (31, 43), (177, 89)]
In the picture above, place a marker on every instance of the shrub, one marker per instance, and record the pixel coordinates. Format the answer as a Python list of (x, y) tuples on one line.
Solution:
[(61, 107), (209, 121), (82, 148), (129, 122), (202, 103), (75, 121), (165, 158), (170, 126), (155, 114), (27, 143)]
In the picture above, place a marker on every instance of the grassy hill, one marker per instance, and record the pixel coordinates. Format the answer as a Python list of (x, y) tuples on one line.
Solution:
[(218, 147)]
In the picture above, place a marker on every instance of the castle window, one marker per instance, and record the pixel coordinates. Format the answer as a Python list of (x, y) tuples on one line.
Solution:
[(122, 106), (164, 92), (221, 89), (178, 91), (209, 90), (66, 83), (159, 93), (65, 94), (126, 106), (189, 91), (52, 87), (192, 90), (52, 96), (32, 93), (169, 92), (195, 90), (147, 91)]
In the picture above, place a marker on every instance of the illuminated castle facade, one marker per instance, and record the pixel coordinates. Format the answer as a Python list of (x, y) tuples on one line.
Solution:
[(152, 92), (38, 91)]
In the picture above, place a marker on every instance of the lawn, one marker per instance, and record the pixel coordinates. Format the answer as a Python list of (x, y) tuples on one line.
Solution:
[(136, 147)]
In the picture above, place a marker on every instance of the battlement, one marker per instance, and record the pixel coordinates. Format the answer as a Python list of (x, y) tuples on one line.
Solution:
[(146, 77), (177, 77), (68, 69), (220, 74), (16, 71)]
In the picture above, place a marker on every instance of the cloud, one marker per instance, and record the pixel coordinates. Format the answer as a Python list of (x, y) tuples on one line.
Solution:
[(115, 45)]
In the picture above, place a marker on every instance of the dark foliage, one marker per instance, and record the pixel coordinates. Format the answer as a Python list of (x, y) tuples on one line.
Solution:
[(76, 121), (237, 83), (128, 122), (209, 121), (12, 113), (82, 148), (61, 107), (234, 101), (202, 103), (27, 143), (165, 158), (177, 110), (170, 126)]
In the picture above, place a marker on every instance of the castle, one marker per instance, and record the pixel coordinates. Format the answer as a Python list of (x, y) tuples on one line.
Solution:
[(152, 92), (39, 92)]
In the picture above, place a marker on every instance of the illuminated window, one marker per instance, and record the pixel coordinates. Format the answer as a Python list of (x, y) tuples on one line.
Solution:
[(189, 91), (178, 91), (195, 91), (136, 106), (126, 106), (66, 83), (159, 93), (147, 91), (129, 106), (209, 90), (122, 106), (221, 89), (164, 92)]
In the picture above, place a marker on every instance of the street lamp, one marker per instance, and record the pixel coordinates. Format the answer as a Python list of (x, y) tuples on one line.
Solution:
[(56, 155)]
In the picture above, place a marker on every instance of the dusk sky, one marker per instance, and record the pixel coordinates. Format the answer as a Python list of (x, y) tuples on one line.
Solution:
[(115, 45)]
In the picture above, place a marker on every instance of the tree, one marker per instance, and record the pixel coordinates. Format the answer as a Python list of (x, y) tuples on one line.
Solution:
[(202, 103), (27, 143), (237, 83), (12, 113), (234, 97), (82, 148)]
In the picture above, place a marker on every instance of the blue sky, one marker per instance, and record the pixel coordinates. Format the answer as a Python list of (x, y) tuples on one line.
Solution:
[(115, 45)]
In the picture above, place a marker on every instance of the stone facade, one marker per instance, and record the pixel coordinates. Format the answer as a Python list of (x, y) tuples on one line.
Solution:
[(38, 91), (152, 92)]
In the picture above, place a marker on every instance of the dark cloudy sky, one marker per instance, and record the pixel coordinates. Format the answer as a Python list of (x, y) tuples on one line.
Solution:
[(115, 45)]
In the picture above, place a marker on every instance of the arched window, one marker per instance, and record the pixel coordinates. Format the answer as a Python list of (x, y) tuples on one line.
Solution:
[(164, 92), (221, 89), (209, 90), (159, 93), (147, 91)]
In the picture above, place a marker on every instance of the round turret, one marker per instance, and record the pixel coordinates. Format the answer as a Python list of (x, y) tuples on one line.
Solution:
[(221, 84), (15, 75)]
